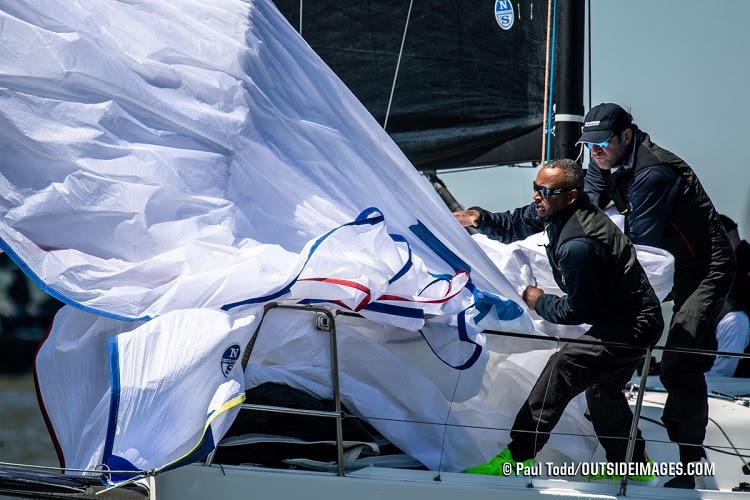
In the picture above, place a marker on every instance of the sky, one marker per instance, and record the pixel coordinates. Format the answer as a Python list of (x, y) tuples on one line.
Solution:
[(682, 67)]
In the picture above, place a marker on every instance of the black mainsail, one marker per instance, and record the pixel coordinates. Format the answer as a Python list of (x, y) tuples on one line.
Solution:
[(470, 84)]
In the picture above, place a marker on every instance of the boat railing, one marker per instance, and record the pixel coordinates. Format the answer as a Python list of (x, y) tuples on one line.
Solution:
[(325, 320)]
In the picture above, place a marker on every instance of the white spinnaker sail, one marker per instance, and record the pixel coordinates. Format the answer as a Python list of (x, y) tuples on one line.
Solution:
[(167, 159)]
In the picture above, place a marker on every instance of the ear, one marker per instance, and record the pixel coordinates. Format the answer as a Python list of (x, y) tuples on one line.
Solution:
[(572, 196), (627, 136)]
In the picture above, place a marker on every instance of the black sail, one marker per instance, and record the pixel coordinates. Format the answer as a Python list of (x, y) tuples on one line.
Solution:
[(468, 91)]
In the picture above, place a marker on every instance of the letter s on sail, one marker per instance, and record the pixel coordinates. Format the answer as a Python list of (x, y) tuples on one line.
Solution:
[(504, 13)]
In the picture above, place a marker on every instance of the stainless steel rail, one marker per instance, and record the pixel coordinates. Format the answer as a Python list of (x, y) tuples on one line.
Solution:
[(325, 320)]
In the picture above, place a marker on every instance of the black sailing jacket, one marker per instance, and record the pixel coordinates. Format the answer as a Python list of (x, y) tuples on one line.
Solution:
[(666, 206), (594, 264)]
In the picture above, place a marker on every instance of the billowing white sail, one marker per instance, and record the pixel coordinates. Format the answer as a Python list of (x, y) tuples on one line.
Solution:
[(167, 168)]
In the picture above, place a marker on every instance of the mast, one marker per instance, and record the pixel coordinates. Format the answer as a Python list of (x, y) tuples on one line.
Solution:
[(568, 98)]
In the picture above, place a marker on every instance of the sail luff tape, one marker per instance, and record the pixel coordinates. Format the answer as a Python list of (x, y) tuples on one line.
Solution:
[(568, 118)]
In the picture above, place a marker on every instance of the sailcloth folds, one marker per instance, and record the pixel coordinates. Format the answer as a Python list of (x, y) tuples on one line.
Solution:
[(169, 167)]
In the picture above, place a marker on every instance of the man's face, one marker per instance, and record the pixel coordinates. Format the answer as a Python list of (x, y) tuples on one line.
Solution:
[(614, 153), (552, 178)]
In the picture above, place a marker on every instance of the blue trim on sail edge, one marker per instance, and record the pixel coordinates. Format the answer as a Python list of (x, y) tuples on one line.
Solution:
[(58, 295), (400, 239), (437, 246), (114, 401), (119, 463), (463, 337), (207, 446), (407, 312)]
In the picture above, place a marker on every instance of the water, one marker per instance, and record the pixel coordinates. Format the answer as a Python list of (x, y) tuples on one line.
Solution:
[(23, 435)]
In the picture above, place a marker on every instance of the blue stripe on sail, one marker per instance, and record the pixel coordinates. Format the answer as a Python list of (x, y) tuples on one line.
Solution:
[(114, 401), (400, 239), (407, 312), (463, 336), (119, 463), (484, 302), (207, 446), (437, 246), (364, 218), (57, 295)]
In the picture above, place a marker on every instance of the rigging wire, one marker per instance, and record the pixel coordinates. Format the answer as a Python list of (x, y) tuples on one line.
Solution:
[(446, 426), (398, 65), (712, 448), (479, 167), (588, 18), (726, 436), (546, 82), (550, 106), (549, 79), (300, 17)]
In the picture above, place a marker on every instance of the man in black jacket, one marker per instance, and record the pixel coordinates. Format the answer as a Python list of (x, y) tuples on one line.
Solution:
[(665, 206), (595, 265)]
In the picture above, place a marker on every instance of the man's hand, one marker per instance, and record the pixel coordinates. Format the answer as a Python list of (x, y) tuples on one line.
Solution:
[(467, 218), (531, 295)]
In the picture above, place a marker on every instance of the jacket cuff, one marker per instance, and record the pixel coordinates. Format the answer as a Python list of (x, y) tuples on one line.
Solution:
[(481, 218)]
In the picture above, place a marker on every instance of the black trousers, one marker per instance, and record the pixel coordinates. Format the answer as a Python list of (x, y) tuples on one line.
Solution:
[(698, 304), (600, 371)]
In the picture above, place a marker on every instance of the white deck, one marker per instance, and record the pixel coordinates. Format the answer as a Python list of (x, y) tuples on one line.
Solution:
[(204, 482)]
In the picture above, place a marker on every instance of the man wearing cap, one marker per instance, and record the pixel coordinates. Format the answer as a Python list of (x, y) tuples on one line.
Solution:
[(595, 265), (665, 206)]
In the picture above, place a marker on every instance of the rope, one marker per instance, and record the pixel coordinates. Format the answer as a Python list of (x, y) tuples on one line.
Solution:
[(546, 82), (398, 65), (548, 132)]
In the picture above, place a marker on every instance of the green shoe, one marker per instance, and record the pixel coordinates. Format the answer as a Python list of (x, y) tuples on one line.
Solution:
[(642, 479), (496, 466)]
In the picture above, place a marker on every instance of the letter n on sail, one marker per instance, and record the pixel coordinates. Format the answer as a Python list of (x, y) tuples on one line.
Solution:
[(504, 13)]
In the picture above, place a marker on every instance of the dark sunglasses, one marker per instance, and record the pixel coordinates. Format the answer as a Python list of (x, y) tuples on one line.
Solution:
[(546, 192)]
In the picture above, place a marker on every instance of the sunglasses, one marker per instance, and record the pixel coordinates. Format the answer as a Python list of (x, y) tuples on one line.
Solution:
[(602, 144), (546, 192)]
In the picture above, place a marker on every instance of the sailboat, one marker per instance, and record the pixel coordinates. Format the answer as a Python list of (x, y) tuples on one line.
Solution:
[(127, 117)]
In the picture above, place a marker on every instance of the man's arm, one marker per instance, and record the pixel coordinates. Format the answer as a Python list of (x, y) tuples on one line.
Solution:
[(506, 227), (651, 199), (584, 266), (596, 186)]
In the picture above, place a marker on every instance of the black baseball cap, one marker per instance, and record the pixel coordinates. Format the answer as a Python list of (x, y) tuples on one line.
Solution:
[(602, 121)]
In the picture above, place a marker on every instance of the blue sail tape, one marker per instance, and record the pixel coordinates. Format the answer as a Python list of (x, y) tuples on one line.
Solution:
[(206, 446), (362, 219), (400, 239), (437, 246), (120, 463), (407, 312), (114, 400), (57, 295), (484, 302), (463, 336)]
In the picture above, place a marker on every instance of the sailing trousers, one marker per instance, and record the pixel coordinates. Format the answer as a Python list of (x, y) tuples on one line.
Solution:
[(599, 370), (696, 314)]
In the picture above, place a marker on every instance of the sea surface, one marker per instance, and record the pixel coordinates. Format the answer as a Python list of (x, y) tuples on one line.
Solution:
[(23, 435)]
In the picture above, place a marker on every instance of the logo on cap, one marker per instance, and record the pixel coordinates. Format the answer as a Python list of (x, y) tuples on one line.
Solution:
[(592, 124)]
